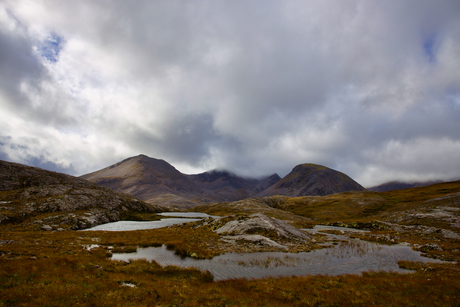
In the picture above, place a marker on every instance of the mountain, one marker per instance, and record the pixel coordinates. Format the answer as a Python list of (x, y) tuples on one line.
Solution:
[(231, 187), (54, 201), (158, 182), (312, 179), (398, 185), (152, 180), (215, 180)]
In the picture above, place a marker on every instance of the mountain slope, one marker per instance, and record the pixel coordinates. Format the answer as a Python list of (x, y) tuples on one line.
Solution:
[(51, 200), (398, 185), (152, 180), (312, 179), (231, 187), (215, 180)]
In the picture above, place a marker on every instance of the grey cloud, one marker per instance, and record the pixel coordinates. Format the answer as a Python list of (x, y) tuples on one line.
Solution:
[(253, 88)]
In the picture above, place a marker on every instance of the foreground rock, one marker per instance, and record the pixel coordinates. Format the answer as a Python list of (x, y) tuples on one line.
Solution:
[(258, 232)]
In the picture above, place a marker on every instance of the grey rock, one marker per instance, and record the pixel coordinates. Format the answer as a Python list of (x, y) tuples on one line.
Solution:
[(255, 239), (450, 234), (46, 227), (262, 223)]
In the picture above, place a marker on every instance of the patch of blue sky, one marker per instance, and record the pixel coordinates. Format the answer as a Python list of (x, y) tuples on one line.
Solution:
[(51, 47), (429, 48), (454, 99)]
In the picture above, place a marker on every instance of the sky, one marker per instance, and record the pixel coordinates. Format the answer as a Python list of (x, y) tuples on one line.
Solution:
[(369, 88)]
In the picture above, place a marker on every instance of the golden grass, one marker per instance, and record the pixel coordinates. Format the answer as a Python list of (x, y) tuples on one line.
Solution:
[(70, 268), (74, 268), (366, 206)]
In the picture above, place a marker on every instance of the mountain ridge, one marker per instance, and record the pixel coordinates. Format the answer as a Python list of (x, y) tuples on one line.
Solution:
[(310, 179), (400, 185), (158, 182)]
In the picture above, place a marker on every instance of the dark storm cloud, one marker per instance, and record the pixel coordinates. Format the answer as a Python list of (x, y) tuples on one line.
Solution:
[(369, 88)]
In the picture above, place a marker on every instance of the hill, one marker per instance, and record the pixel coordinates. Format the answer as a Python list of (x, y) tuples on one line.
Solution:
[(398, 185), (152, 180), (158, 182), (312, 179), (231, 187), (37, 198)]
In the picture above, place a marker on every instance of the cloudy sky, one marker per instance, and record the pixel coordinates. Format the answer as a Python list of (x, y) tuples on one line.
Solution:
[(369, 88)]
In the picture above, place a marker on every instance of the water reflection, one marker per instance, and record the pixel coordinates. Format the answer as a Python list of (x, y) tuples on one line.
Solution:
[(354, 248), (185, 214), (351, 257), (320, 228)]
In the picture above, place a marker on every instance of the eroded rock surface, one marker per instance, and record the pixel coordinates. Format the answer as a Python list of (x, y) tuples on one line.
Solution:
[(261, 223), (258, 232)]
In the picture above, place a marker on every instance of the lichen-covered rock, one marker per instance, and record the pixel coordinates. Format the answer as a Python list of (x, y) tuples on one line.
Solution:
[(262, 224), (257, 233)]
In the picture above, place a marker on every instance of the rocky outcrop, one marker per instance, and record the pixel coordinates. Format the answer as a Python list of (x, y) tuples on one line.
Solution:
[(258, 232), (54, 201), (261, 224)]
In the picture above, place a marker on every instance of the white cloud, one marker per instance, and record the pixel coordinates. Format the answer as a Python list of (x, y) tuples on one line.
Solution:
[(249, 87)]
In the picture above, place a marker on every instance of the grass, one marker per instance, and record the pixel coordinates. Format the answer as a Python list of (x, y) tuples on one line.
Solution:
[(57, 269), (69, 268), (366, 206)]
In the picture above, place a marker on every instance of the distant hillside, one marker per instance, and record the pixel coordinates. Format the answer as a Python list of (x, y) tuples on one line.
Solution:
[(215, 180), (231, 187), (312, 179), (398, 185), (158, 182), (153, 180), (53, 200)]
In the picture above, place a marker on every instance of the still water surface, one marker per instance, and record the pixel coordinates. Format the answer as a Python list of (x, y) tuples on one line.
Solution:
[(182, 217), (348, 257), (134, 225), (186, 214)]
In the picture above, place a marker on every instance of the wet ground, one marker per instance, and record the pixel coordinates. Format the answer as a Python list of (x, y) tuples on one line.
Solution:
[(343, 256)]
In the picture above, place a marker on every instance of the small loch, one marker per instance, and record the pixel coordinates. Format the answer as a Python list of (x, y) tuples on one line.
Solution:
[(349, 256), (174, 218)]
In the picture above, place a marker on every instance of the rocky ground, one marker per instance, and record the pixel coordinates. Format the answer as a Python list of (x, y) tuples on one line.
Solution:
[(257, 233), (32, 198)]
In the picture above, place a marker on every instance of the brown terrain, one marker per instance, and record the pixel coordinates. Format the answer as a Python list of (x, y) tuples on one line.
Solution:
[(157, 182), (312, 179), (37, 198), (399, 185), (43, 262)]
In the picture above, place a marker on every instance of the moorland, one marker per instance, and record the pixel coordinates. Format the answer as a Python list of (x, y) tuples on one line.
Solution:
[(46, 261)]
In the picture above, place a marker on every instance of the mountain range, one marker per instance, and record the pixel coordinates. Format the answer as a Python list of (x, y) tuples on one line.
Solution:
[(398, 185), (158, 182)]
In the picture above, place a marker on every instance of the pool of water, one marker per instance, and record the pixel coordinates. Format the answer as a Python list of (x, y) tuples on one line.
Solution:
[(134, 225), (348, 257), (186, 214), (180, 218), (319, 228)]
